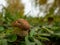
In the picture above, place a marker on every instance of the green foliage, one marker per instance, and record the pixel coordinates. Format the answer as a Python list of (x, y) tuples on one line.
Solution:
[(1, 28), (3, 42), (11, 38), (41, 30)]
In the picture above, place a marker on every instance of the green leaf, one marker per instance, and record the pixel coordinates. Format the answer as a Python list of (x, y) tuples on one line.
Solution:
[(1, 28), (12, 38), (43, 34), (57, 34), (48, 30), (43, 38), (3, 42), (2, 35), (37, 42), (27, 42), (9, 32), (32, 32)]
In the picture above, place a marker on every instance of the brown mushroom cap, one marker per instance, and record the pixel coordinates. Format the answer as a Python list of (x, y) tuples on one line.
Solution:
[(22, 23)]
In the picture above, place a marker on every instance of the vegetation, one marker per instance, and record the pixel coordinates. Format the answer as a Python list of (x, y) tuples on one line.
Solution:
[(41, 30)]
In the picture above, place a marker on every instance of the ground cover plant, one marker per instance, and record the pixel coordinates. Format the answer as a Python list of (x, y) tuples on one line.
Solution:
[(19, 29)]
